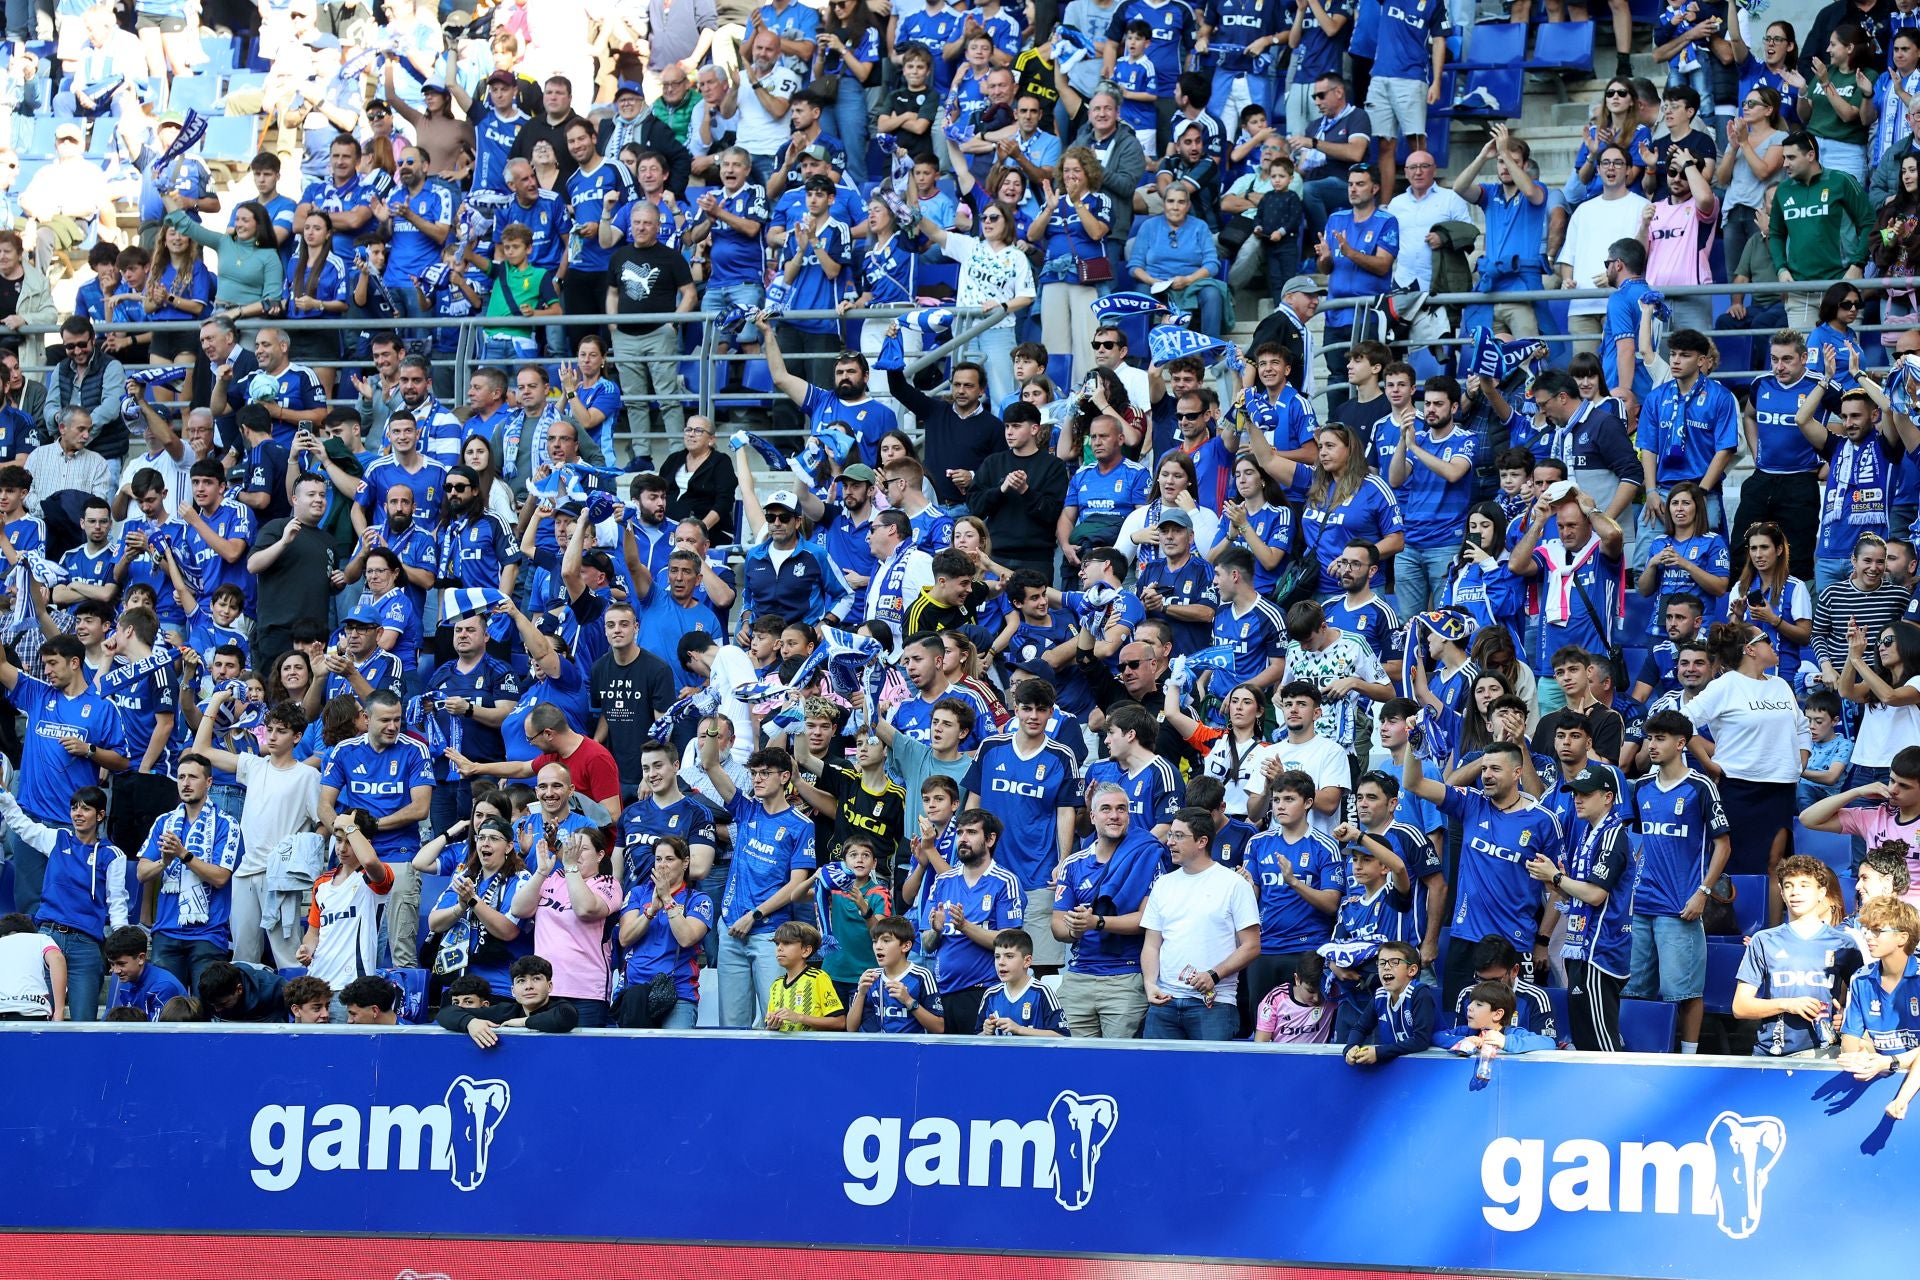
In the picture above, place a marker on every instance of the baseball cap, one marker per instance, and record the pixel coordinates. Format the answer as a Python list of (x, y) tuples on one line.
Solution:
[(321, 40), (782, 498), (434, 86), (1590, 780), (364, 614), (1176, 515), (626, 87), (595, 558), (67, 129), (502, 77), (817, 151), (1300, 284), (860, 473), (174, 118)]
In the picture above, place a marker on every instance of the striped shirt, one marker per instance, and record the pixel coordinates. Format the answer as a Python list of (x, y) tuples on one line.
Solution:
[(1845, 602)]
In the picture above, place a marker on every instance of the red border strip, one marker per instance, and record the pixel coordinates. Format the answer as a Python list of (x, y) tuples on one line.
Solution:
[(319, 1257)]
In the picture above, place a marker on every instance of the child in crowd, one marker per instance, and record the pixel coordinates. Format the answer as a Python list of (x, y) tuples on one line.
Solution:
[(895, 997), (1017, 1005), (308, 1001), (1831, 752), (1792, 972), (136, 982), (803, 998), (1403, 1014), (532, 1007), (1490, 1028), (33, 973), (1295, 1012)]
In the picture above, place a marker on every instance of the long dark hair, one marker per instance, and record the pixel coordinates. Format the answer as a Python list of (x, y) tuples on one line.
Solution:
[(1906, 645), (306, 267), (263, 233), (1476, 726)]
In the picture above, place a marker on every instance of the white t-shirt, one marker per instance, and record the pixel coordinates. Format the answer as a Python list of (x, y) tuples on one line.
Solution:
[(1758, 728), (279, 802), (1245, 782), (989, 276), (1323, 760), (23, 974), (1596, 224), (760, 133), (1884, 730), (1198, 916), (348, 911)]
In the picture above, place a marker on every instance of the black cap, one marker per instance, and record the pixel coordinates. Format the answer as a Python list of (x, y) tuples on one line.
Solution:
[(1590, 780)]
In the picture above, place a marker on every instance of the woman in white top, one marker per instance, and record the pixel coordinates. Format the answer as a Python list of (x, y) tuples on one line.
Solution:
[(1239, 756), (1760, 743), (1888, 687), (994, 272), (1175, 484)]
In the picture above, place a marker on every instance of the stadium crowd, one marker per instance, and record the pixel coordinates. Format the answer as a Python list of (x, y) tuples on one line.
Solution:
[(1102, 678)]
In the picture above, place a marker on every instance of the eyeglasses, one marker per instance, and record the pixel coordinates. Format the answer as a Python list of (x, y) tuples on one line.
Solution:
[(1108, 345), (1885, 930), (1753, 102), (1613, 162), (891, 481), (1619, 93), (1390, 962), (1772, 39)]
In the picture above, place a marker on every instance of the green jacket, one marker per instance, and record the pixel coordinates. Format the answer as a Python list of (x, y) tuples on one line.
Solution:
[(1807, 233)]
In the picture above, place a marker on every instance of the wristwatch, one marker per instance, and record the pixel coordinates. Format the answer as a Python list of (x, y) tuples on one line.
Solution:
[(1558, 876), (1214, 976), (1542, 940)]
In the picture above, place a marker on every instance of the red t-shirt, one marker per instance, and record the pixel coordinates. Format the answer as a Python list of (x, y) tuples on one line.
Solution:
[(592, 769)]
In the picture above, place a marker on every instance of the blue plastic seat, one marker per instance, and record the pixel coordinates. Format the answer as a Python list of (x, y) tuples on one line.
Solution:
[(1646, 1026), (431, 887), (1723, 966), (222, 54), (1563, 46), (1832, 847), (234, 139), (1496, 55), (1749, 903), (289, 972), (1639, 614), (194, 93)]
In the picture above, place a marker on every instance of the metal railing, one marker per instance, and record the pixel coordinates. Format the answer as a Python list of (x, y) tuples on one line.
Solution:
[(710, 361)]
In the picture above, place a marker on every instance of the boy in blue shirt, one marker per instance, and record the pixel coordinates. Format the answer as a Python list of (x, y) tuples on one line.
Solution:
[(137, 982), (1139, 87), (896, 997), (1489, 1027), (1017, 1005), (1403, 1013), (1791, 972), (1882, 1024)]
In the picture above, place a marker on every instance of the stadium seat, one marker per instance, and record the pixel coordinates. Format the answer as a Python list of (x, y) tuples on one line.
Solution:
[(1723, 963), (245, 80), (1563, 46), (1749, 903), (1492, 70), (431, 887), (195, 93), (291, 971), (1831, 847), (6, 888), (234, 139), (39, 137), (1442, 1020), (1562, 1014), (222, 54), (1646, 1026), (1639, 613)]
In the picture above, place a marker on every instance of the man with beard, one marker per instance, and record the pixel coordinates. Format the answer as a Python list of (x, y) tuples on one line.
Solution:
[(440, 432), (403, 467), (473, 549), (847, 405), (520, 443), (968, 906), (1363, 612), (961, 432), (665, 616)]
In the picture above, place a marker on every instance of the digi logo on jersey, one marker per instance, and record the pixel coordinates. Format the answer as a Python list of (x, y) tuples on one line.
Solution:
[(1723, 1176), (455, 1135), (1060, 1152)]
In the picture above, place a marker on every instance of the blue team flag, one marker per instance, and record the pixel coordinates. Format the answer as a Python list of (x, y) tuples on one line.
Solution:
[(193, 129), (461, 602), (1094, 603), (1076, 40), (845, 656), (1488, 357), (161, 544), (1120, 306), (701, 702), (356, 66), (154, 376), (1901, 384), (1169, 342), (768, 452), (602, 506), (930, 321), (1188, 666), (892, 353), (775, 302)]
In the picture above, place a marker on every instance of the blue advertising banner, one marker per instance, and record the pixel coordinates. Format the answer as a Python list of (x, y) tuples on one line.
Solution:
[(1564, 1165)]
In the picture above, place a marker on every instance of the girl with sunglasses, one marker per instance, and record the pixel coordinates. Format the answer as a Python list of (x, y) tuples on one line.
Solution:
[(1839, 312), (1882, 675)]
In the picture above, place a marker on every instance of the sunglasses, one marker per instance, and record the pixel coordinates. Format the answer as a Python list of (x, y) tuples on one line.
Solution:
[(1189, 417), (378, 115), (1318, 94), (780, 517), (1108, 345), (1133, 665), (1619, 93), (459, 488), (1851, 304)]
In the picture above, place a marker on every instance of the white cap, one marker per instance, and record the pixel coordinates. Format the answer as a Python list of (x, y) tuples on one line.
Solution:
[(1560, 490), (782, 498)]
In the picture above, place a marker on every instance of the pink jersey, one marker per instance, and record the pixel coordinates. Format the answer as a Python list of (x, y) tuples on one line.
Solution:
[(1677, 244), (1881, 823), (1290, 1023), (581, 951)]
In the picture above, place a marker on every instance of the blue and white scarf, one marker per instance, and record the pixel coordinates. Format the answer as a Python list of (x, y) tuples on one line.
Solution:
[(42, 570), (200, 837)]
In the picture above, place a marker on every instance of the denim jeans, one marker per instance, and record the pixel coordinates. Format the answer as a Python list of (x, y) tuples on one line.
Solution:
[(1418, 575), (994, 350), (747, 974), (452, 801), (1191, 1019), (1827, 570), (86, 970), (186, 958), (850, 121)]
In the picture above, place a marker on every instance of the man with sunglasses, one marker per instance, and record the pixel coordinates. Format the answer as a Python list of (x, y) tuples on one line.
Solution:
[(1342, 136), (92, 379)]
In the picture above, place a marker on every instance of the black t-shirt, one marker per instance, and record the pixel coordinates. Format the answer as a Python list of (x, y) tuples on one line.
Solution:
[(880, 818), (1608, 732), (924, 103), (647, 281), (1360, 415), (295, 586), (630, 698)]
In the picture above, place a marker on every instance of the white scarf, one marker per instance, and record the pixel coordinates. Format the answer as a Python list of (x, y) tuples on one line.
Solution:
[(1558, 591), (200, 837)]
